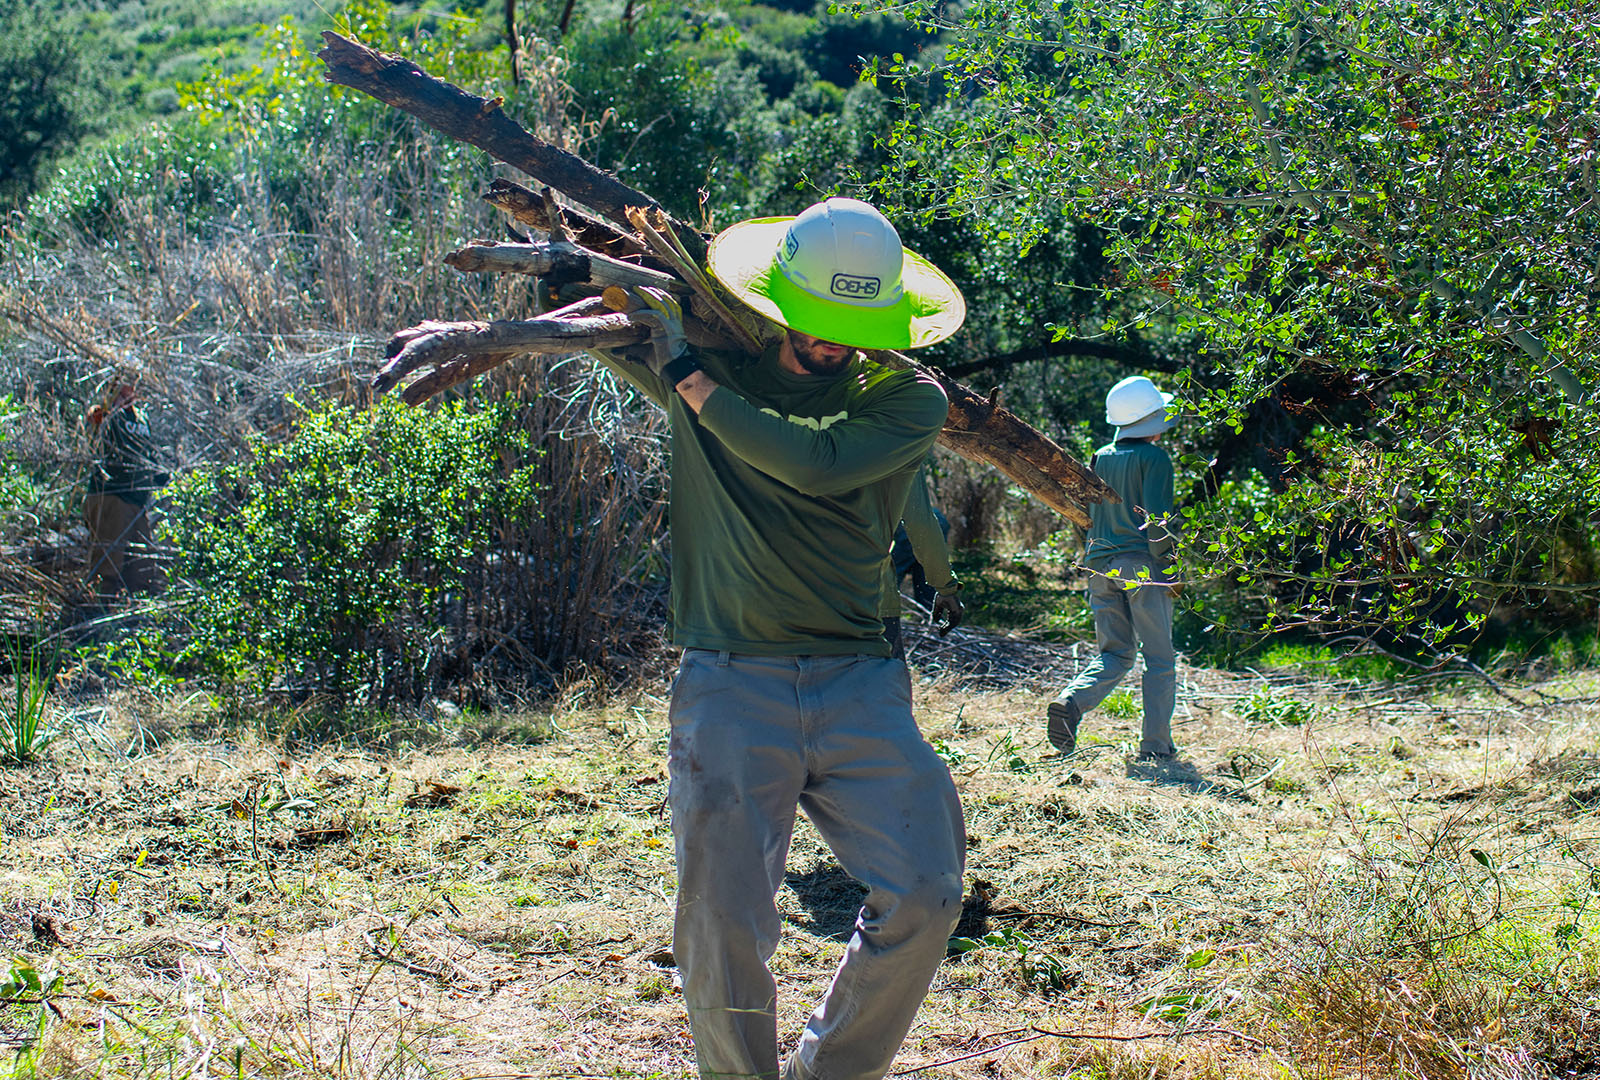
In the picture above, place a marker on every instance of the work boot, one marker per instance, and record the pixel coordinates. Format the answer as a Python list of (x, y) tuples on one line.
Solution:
[(1062, 725)]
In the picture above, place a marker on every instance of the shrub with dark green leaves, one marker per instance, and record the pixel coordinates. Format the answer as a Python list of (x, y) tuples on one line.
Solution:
[(336, 561)]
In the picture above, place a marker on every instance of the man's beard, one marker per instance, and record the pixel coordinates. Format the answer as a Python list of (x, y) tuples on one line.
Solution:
[(809, 353)]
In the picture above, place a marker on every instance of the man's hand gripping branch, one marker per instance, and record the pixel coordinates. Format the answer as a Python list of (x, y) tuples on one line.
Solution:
[(670, 357)]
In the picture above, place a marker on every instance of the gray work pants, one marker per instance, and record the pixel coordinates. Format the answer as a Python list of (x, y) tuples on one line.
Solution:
[(753, 738), (1126, 620)]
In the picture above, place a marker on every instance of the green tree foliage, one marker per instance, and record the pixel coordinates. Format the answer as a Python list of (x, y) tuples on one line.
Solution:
[(50, 93), (334, 561), (1383, 225)]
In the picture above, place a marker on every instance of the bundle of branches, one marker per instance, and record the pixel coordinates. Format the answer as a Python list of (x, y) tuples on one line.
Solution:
[(590, 262)]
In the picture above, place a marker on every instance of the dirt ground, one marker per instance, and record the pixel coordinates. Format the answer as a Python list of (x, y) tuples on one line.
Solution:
[(492, 896)]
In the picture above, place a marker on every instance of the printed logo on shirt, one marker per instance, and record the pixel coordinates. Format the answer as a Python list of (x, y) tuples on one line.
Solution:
[(812, 422)]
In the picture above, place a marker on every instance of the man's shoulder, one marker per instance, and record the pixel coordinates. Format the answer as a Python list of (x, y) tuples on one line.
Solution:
[(901, 385)]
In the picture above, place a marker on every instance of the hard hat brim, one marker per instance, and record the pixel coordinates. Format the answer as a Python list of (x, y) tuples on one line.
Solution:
[(744, 258), (1153, 424)]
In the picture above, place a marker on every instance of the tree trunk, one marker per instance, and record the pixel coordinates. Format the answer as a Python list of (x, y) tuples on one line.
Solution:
[(513, 42)]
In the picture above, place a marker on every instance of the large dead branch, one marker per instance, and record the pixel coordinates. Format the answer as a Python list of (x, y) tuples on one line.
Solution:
[(584, 325), (583, 254), (479, 122), (983, 430)]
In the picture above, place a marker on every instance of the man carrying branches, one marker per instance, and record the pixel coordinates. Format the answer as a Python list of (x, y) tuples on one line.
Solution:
[(789, 474)]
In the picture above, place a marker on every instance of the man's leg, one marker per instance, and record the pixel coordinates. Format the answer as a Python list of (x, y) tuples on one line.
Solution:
[(111, 520), (737, 767), (1150, 607), (885, 803), (1113, 631), (141, 568)]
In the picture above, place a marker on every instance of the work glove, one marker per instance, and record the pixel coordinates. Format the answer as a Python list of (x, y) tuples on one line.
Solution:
[(664, 315), (947, 612)]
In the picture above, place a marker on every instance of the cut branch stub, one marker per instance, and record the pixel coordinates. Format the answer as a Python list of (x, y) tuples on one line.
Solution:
[(479, 122), (590, 232)]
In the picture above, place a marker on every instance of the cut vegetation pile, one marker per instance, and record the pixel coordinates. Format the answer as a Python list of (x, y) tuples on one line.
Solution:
[(1347, 884)]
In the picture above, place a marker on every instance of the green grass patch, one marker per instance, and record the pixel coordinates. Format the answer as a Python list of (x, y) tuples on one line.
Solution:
[(1021, 591)]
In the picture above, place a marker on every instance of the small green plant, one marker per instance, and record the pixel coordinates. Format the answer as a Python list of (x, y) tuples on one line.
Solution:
[(1005, 750), (27, 987), (1266, 707), (1039, 970), (23, 718), (947, 753), (1122, 705)]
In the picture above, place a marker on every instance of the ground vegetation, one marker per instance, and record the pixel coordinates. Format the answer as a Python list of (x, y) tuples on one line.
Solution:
[(1357, 878)]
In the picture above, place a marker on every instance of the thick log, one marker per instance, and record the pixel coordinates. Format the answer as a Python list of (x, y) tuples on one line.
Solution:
[(563, 261), (479, 122), (982, 429)]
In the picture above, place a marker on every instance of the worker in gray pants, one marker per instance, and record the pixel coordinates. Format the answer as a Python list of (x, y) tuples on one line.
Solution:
[(1131, 587)]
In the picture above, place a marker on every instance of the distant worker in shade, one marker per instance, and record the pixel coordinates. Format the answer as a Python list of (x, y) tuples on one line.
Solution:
[(1131, 584), (921, 548), (122, 483)]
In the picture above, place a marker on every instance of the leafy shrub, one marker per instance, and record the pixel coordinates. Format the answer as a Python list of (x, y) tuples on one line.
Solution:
[(332, 561)]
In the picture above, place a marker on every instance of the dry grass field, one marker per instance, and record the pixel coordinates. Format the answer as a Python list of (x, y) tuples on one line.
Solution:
[(1352, 881)]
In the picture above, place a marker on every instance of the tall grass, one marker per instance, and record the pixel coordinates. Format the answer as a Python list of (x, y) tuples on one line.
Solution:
[(24, 715), (1424, 958)]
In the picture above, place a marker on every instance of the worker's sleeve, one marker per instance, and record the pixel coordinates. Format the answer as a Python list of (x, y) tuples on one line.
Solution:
[(1161, 531), (636, 373), (927, 538), (896, 431)]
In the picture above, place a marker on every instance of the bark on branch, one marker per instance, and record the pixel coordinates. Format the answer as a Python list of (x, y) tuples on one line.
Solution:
[(564, 261), (479, 122)]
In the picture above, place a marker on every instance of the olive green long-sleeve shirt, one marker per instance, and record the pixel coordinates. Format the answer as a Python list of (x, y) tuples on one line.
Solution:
[(786, 490)]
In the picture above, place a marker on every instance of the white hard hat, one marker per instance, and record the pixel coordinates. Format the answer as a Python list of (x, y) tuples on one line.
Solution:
[(1137, 408), (844, 251), (838, 272)]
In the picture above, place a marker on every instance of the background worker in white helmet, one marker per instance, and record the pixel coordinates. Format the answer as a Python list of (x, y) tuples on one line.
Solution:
[(789, 473), (1131, 582)]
